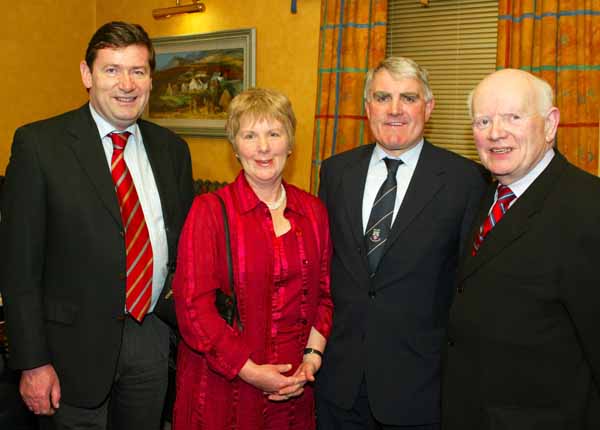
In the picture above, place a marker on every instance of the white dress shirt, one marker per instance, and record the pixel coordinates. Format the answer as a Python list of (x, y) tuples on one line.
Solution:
[(519, 187), (378, 172), (145, 185)]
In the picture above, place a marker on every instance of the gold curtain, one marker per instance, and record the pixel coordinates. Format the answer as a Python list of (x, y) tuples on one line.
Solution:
[(352, 40), (559, 40)]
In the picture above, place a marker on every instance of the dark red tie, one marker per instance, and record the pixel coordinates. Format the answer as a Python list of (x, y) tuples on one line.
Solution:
[(138, 250), (505, 197)]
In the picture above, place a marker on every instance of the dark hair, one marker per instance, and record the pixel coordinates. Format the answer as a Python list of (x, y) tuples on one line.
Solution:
[(119, 34)]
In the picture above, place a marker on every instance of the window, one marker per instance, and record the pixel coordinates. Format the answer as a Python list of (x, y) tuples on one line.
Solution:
[(455, 40)]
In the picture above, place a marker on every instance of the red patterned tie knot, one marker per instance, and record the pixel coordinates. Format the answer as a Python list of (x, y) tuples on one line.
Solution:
[(505, 193), (504, 197), (119, 140)]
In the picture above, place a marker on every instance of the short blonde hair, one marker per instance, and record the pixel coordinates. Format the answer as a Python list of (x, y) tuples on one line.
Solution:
[(259, 104)]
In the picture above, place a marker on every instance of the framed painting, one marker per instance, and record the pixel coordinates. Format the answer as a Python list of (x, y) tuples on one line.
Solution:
[(196, 77)]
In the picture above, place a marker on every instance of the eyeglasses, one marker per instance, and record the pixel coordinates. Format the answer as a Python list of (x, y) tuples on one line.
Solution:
[(508, 120)]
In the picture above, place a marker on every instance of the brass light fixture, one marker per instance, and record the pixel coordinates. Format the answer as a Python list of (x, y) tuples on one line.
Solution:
[(168, 12)]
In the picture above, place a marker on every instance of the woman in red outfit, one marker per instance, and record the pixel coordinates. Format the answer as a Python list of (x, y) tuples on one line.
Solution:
[(255, 378)]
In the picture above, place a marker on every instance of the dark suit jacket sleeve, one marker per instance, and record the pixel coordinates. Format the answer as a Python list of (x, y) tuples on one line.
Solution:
[(580, 286), (185, 186), (185, 180), (22, 234), (323, 182)]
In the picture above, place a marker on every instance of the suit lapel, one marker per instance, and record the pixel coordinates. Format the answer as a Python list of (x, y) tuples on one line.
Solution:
[(353, 187), (426, 182), (159, 159), (87, 146), (486, 204), (518, 220), (352, 180)]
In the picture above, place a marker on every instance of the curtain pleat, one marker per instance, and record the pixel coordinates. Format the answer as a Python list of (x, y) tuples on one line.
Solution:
[(352, 40), (559, 40)]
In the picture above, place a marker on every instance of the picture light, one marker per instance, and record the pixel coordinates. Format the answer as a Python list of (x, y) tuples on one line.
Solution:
[(168, 12)]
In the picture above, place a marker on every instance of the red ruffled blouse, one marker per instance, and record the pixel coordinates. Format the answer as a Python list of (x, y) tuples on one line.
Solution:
[(282, 286)]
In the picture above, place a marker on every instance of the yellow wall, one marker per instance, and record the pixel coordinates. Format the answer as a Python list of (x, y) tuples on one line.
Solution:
[(287, 54), (41, 42)]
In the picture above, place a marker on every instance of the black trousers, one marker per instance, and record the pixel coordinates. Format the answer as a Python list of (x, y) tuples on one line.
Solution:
[(139, 387), (359, 417)]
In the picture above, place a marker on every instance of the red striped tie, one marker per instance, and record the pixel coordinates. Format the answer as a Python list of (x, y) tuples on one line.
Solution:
[(138, 290), (504, 197)]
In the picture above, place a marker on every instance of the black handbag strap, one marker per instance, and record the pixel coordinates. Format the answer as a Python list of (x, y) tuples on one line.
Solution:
[(229, 260)]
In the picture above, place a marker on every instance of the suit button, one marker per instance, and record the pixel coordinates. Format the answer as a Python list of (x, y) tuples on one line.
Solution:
[(450, 342), (121, 317), (122, 276), (372, 294), (372, 275), (460, 290)]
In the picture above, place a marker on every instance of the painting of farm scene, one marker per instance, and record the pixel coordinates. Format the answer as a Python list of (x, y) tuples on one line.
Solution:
[(196, 84)]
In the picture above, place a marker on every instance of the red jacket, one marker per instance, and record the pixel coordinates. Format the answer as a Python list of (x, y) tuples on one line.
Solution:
[(212, 354)]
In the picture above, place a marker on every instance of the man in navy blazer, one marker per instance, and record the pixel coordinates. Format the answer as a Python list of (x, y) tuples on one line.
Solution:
[(524, 351), (381, 368), (86, 363)]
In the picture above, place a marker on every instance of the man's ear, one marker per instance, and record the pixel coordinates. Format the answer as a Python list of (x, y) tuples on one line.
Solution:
[(551, 121), (429, 108), (86, 74)]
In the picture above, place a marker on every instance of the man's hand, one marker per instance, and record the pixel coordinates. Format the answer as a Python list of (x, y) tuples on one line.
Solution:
[(40, 390)]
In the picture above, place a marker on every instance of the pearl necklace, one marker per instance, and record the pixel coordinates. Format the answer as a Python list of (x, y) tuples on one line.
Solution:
[(279, 202)]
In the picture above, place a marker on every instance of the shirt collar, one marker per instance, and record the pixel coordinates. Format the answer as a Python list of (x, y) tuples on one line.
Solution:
[(248, 200), (105, 128), (409, 157), (520, 186)]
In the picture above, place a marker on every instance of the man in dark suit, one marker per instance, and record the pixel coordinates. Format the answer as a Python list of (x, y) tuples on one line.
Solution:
[(93, 203), (392, 286), (523, 350)]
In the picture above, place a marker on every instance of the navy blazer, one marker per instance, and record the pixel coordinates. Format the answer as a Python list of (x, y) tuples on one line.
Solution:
[(390, 327)]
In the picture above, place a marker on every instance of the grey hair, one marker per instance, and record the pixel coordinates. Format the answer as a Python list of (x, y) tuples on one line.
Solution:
[(400, 67)]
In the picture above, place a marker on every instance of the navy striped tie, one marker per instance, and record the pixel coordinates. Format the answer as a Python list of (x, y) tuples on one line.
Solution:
[(380, 219)]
